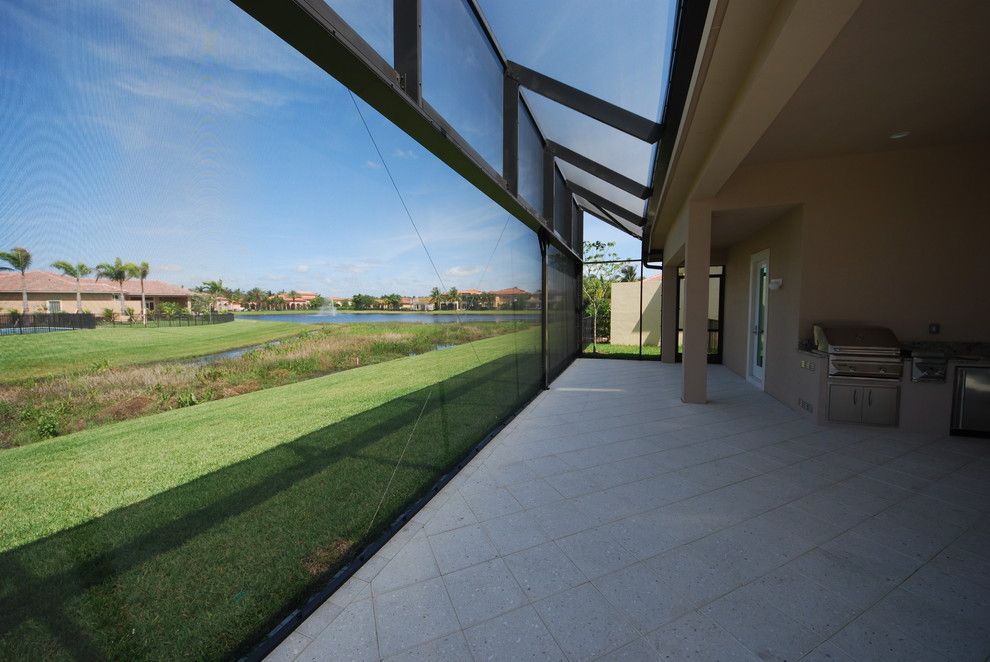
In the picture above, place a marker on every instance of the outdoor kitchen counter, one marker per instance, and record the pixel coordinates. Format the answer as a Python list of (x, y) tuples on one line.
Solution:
[(924, 406)]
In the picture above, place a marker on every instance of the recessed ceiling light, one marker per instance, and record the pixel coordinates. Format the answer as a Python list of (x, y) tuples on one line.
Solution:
[(899, 135)]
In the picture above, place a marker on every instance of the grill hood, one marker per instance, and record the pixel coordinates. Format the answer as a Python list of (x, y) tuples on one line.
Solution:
[(873, 340)]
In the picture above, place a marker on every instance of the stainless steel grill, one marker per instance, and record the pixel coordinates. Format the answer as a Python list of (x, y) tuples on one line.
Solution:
[(870, 352)]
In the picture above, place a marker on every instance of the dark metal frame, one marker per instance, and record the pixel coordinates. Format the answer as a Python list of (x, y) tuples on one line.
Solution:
[(586, 104), (715, 358), (321, 35), (689, 27)]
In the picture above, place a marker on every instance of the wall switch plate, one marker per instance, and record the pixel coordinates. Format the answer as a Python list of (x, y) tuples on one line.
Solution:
[(934, 328)]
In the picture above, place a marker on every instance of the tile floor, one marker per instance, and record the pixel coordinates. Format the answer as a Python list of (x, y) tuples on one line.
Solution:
[(612, 521)]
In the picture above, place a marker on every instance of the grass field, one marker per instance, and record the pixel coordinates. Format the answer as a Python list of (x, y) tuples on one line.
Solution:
[(621, 351), (50, 406), (186, 534), (41, 354), (252, 313)]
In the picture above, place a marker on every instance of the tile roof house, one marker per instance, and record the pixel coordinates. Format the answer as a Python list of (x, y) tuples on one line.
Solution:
[(57, 293)]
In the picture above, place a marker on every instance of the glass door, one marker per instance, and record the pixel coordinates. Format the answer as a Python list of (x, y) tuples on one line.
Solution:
[(760, 275)]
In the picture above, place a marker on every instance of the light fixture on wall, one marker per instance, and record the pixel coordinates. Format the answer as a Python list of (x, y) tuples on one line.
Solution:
[(899, 134)]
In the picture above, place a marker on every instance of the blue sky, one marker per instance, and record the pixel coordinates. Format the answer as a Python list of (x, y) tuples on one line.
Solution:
[(185, 134)]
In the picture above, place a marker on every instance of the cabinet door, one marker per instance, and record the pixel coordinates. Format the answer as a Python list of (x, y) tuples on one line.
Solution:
[(880, 405), (845, 403)]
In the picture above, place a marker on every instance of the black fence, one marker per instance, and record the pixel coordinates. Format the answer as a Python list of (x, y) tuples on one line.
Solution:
[(157, 318), (40, 322)]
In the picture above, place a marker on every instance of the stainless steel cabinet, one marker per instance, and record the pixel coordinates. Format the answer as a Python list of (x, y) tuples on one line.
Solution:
[(971, 403), (874, 404), (845, 403)]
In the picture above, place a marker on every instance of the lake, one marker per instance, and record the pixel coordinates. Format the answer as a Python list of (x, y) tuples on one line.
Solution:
[(408, 318)]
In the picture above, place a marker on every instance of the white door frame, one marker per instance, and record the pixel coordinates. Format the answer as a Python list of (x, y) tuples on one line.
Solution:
[(751, 338)]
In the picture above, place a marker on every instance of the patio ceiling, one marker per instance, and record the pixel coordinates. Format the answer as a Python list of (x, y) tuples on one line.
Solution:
[(602, 85)]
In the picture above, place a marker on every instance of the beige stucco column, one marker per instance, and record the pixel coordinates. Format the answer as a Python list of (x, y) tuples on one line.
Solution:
[(697, 260), (668, 313)]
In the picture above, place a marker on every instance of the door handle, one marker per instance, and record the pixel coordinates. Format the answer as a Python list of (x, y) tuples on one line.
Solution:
[(869, 398), (854, 396)]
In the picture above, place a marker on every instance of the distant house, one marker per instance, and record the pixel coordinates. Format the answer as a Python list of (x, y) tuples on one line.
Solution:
[(226, 305), (56, 293), (418, 303), (511, 297), (301, 300)]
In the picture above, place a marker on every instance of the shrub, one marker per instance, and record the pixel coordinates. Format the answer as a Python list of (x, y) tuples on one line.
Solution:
[(130, 313), (6, 411), (49, 421), (187, 399), (100, 366), (168, 310), (107, 315)]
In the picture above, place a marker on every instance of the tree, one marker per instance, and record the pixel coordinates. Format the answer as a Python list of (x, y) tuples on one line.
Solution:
[(255, 296), (392, 301), (597, 284), (362, 301), (168, 309), (293, 295), (452, 296), (19, 259), (628, 274), (213, 289), (119, 272), (77, 271), (436, 298), (141, 271), (317, 302)]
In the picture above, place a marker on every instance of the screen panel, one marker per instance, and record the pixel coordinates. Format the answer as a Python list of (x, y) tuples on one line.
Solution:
[(462, 76)]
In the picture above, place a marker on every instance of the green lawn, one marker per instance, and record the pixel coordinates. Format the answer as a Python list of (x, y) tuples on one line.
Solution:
[(186, 534), (622, 351), (40, 354), (251, 313)]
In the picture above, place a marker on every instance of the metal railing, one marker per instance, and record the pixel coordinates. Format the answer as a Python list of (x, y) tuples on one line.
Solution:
[(184, 318), (37, 322)]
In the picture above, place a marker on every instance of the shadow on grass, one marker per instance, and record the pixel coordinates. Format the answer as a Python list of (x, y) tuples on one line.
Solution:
[(204, 569)]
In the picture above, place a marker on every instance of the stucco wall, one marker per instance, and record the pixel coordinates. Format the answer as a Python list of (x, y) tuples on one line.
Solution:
[(625, 313), (898, 239), (782, 238), (91, 303)]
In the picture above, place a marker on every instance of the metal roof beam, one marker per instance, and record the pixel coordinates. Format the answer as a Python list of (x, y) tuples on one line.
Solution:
[(607, 205), (316, 31), (614, 178), (605, 217), (601, 110)]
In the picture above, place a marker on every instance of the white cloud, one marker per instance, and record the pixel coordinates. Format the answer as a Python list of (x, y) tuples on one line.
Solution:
[(461, 272), (168, 268), (374, 165), (400, 153), (302, 268)]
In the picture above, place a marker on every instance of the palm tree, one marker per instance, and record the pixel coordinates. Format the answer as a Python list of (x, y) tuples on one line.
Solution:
[(141, 272), (119, 272), (452, 297), (293, 295), (436, 298), (76, 271), (214, 289), (19, 259), (628, 274)]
